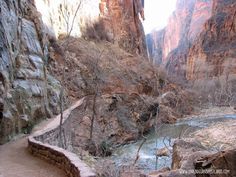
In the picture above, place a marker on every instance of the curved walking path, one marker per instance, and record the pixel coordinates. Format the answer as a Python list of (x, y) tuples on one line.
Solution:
[(16, 161)]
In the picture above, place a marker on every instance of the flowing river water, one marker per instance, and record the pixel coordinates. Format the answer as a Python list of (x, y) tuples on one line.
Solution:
[(125, 155)]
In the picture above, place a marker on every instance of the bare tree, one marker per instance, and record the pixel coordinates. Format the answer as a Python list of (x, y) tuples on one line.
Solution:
[(67, 16), (137, 155), (62, 106), (97, 80)]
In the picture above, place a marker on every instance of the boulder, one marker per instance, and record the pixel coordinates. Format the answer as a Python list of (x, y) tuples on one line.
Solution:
[(162, 152), (222, 164)]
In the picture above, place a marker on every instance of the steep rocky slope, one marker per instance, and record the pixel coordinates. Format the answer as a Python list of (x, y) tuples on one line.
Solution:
[(28, 93), (124, 91), (124, 94)]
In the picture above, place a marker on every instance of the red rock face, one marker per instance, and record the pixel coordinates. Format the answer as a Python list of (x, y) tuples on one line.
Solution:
[(184, 26), (155, 44), (178, 26), (202, 12), (122, 21), (199, 40), (215, 49)]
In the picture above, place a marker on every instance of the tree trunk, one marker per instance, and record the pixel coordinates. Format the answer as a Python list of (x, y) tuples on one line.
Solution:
[(93, 115)]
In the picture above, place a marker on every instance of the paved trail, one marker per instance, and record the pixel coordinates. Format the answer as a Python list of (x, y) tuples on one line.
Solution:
[(16, 161)]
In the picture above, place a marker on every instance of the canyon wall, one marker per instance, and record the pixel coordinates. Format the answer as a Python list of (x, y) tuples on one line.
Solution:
[(214, 52), (122, 20), (199, 40), (198, 46), (184, 26), (28, 92), (155, 43)]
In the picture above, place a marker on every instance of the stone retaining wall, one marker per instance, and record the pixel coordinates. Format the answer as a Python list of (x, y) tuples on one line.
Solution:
[(60, 157)]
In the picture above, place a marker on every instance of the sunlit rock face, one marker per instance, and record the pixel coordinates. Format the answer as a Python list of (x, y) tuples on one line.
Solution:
[(116, 21), (122, 21), (214, 52), (28, 93), (199, 40), (178, 26), (183, 27), (201, 13)]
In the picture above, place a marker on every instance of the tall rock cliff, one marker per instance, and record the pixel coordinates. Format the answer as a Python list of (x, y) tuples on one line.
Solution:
[(183, 27), (213, 54), (155, 43), (28, 93), (199, 40), (122, 21)]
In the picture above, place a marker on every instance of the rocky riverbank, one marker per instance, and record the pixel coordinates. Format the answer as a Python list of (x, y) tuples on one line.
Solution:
[(210, 151)]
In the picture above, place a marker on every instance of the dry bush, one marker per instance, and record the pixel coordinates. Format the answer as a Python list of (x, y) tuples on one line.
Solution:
[(214, 84), (216, 91), (106, 168), (95, 31)]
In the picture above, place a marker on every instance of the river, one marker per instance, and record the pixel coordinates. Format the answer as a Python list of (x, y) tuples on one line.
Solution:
[(166, 133)]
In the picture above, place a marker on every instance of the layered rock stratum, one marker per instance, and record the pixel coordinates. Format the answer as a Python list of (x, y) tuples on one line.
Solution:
[(215, 49)]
